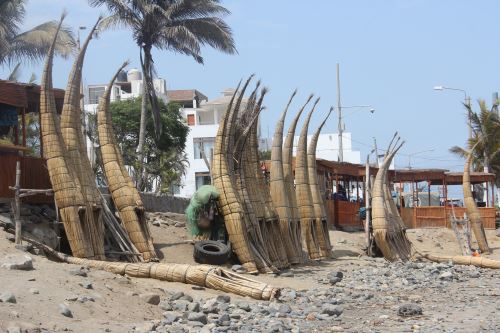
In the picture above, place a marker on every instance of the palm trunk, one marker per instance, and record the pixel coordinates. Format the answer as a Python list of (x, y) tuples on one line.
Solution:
[(303, 190), (471, 208), (321, 222), (67, 190), (139, 173), (125, 196)]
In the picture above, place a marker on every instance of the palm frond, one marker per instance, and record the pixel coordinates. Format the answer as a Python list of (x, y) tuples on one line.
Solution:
[(33, 44), (16, 72), (212, 31)]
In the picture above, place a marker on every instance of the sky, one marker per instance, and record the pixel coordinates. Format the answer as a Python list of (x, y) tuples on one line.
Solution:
[(391, 55)]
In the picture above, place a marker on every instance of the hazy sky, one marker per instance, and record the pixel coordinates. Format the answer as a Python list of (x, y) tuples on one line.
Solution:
[(391, 53)]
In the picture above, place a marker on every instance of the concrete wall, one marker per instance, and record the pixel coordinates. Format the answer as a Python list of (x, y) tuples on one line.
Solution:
[(154, 203)]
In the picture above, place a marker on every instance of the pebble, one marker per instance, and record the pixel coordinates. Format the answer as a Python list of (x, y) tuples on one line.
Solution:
[(409, 310), (34, 291), (223, 299), (78, 272), (150, 298), (86, 285), (7, 297), (198, 317), (65, 311), (18, 262)]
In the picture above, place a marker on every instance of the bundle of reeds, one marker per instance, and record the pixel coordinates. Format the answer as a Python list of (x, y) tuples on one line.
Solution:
[(270, 226), (288, 177), (65, 183), (279, 193), (470, 205), (201, 275), (72, 134), (303, 190), (125, 196), (320, 216), (388, 228), (230, 202)]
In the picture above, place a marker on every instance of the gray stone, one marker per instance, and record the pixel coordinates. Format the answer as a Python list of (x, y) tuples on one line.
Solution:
[(334, 277), (287, 274), (199, 317), (244, 306), (166, 306), (18, 262), (284, 309), (8, 297), (150, 298), (84, 299), (210, 306), (446, 276), (180, 305), (78, 271), (187, 298), (176, 296), (238, 269), (156, 223), (180, 224), (86, 285), (410, 309), (223, 299), (194, 307), (65, 311), (34, 291), (171, 317), (332, 310)]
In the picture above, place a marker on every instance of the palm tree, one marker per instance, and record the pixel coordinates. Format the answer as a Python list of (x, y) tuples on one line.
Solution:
[(486, 134), (181, 26), (31, 45)]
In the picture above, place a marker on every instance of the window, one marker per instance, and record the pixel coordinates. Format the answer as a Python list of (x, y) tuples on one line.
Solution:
[(190, 120), (95, 93), (202, 178), (206, 143)]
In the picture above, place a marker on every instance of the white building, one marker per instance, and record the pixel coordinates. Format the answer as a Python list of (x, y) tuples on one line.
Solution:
[(127, 85), (203, 120), (328, 147)]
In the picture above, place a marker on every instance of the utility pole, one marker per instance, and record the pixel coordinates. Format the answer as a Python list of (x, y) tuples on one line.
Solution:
[(339, 108), (376, 150)]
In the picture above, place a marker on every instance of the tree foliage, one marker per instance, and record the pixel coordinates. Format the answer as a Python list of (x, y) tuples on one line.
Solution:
[(31, 45), (181, 26), (486, 133), (165, 160)]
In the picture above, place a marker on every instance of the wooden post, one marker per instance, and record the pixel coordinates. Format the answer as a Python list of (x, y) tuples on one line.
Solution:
[(17, 213), (367, 203)]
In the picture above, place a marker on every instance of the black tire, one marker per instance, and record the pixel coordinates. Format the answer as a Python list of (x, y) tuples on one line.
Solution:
[(211, 252)]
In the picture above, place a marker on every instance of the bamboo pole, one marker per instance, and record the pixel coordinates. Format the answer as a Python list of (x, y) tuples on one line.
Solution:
[(17, 215)]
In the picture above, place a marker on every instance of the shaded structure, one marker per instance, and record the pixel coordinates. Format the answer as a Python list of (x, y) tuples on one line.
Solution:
[(19, 101)]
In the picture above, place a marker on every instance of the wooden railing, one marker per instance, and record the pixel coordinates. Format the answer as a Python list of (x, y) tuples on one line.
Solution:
[(439, 217), (343, 214), (34, 175)]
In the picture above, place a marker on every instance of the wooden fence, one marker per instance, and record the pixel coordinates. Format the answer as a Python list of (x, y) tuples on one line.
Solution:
[(343, 214), (439, 217), (34, 175)]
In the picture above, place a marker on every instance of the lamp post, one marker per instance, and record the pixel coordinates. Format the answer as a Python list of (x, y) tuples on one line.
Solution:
[(466, 102), (341, 125), (416, 153)]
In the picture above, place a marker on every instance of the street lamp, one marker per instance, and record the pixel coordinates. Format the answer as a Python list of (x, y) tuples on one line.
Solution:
[(466, 102), (341, 126), (416, 153)]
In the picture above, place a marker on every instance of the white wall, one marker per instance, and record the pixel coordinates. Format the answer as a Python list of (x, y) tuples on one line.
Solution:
[(328, 147)]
